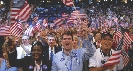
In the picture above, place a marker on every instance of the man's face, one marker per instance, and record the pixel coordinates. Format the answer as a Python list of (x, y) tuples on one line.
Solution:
[(25, 41), (98, 37), (67, 42), (106, 42), (79, 33), (51, 41)]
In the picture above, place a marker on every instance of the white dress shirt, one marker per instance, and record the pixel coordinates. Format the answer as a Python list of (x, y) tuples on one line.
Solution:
[(95, 61), (50, 51), (21, 52)]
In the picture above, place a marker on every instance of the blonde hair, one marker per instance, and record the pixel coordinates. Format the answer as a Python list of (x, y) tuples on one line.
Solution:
[(76, 37)]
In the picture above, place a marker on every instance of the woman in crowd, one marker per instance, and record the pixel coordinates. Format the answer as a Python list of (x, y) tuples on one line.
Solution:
[(75, 42), (4, 62), (36, 62)]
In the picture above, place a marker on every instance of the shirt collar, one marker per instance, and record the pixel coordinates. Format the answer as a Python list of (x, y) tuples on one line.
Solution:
[(50, 48), (104, 54)]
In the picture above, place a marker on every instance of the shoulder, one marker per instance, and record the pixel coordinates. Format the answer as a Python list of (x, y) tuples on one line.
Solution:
[(112, 50), (97, 50), (29, 45), (1, 60), (58, 54), (28, 57), (19, 48)]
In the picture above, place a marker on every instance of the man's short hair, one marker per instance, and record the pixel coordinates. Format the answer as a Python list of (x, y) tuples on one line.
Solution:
[(107, 34), (67, 33), (25, 37)]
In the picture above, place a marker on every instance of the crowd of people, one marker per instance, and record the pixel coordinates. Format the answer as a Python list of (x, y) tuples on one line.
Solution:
[(85, 46)]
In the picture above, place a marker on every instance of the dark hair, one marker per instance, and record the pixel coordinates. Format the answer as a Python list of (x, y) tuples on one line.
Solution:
[(53, 36), (107, 34), (38, 44), (67, 33), (9, 42)]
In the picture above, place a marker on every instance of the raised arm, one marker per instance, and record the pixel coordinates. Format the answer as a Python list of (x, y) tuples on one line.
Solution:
[(88, 49), (14, 62)]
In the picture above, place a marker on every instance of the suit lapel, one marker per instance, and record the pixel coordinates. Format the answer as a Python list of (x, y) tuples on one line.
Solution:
[(31, 65)]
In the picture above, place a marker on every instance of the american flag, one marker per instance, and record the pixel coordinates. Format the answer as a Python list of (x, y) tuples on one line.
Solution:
[(20, 10), (81, 16), (126, 43), (58, 22), (35, 19), (4, 31), (16, 29), (70, 19), (37, 27), (29, 30), (65, 15), (75, 12), (125, 57), (68, 2)]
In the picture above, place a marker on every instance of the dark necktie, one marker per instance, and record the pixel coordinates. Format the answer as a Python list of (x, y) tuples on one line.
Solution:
[(51, 55)]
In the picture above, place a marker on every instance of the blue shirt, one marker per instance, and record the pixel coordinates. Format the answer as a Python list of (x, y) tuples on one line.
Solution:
[(73, 61), (3, 67)]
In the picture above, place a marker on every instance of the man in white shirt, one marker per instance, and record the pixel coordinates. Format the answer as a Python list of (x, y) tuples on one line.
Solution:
[(25, 48), (102, 54)]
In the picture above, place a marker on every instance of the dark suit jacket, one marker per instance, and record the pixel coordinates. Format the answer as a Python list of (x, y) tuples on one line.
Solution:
[(28, 63), (56, 49), (1, 43)]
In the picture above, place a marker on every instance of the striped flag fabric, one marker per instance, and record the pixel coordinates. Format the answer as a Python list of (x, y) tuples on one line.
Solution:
[(37, 27), (68, 2), (125, 58), (29, 31), (75, 12), (70, 19), (20, 10), (4, 31), (126, 43), (58, 22), (65, 15), (82, 16), (16, 29)]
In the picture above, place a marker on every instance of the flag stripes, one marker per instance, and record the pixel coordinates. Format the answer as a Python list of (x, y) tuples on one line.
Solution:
[(29, 31), (68, 2), (22, 13), (4, 31), (58, 22), (126, 43), (16, 29), (114, 58)]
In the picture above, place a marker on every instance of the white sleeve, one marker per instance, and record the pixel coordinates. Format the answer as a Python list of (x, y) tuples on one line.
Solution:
[(120, 65), (19, 52), (92, 61)]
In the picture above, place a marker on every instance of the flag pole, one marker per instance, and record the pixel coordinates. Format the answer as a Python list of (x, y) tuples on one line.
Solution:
[(10, 12), (76, 12)]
